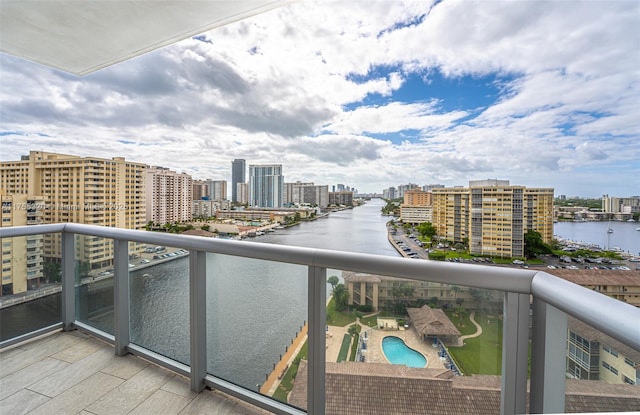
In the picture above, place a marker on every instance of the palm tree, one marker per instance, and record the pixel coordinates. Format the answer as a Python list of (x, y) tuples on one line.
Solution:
[(341, 296)]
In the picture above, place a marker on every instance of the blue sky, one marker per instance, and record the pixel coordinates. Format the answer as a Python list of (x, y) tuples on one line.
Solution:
[(369, 94)]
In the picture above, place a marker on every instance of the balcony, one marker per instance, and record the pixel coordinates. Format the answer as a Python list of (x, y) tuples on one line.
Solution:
[(533, 319)]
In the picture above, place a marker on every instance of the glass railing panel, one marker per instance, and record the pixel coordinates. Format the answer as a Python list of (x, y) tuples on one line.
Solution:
[(602, 374), (159, 300), (94, 282), (409, 338), (30, 297), (256, 316)]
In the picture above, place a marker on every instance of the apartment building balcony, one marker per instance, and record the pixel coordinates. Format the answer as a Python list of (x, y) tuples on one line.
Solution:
[(102, 362)]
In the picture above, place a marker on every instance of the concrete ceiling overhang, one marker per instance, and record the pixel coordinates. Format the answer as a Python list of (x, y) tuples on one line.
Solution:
[(83, 36)]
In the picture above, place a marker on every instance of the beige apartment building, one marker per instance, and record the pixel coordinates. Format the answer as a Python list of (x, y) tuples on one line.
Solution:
[(200, 189), (169, 196), (492, 216), (22, 263), (417, 197), (89, 190)]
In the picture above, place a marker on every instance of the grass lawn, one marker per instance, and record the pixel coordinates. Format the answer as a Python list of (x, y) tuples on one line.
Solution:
[(354, 348), (481, 355), (287, 381), (462, 322), (339, 318), (344, 348), (370, 321)]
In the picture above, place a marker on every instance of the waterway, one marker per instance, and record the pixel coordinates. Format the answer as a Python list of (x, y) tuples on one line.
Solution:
[(254, 308), (625, 235)]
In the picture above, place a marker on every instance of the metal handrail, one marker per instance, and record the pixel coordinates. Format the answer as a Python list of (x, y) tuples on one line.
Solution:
[(613, 317)]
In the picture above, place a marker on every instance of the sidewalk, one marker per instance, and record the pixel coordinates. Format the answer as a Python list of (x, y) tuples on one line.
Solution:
[(273, 381)]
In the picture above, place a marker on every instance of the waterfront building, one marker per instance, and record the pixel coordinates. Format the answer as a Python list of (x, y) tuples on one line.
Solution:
[(91, 190), (266, 185), (417, 197), (169, 196), (22, 262), (203, 209), (430, 187), (299, 193), (238, 172), (341, 198), (200, 189), (389, 193), (217, 189), (628, 205), (416, 214), (492, 216), (405, 188)]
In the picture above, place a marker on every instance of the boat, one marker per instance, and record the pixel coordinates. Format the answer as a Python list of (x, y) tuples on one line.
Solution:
[(609, 230)]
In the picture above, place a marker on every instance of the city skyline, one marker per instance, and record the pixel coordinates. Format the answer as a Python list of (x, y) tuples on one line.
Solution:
[(371, 94)]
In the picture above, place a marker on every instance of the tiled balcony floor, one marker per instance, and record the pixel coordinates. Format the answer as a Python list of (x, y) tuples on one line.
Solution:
[(72, 373)]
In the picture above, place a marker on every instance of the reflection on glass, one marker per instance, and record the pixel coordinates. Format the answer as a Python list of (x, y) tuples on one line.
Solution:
[(159, 281), (94, 279), (596, 366), (256, 315), (408, 338), (28, 274)]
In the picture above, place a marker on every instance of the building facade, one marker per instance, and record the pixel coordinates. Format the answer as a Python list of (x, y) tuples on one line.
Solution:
[(217, 189), (416, 214), (492, 216), (242, 193), (89, 190), (266, 185), (417, 197), (169, 196), (200, 189), (238, 172), (22, 262), (343, 198), (299, 193)]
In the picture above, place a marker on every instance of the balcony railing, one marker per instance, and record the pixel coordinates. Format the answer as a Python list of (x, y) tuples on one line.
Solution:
[(552, 300)]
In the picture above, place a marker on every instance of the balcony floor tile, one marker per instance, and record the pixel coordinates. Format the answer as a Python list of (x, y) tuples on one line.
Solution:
[(70, 372)]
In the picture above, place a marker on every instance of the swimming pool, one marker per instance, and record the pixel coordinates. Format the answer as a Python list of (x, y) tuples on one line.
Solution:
[(398, 353)]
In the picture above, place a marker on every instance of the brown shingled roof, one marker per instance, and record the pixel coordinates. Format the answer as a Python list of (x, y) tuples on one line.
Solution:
[(359, 389), (598, 276), (360, 277), (431, 322)]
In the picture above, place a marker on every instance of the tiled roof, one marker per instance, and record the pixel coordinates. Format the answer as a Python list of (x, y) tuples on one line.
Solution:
[(360, 277), (598, 276), (368, 389), (428, 321)]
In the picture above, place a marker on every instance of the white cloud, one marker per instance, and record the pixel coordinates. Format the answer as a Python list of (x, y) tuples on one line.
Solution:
[(281, 87)]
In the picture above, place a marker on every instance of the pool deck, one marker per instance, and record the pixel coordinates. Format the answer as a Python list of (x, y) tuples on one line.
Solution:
[(374, 352)]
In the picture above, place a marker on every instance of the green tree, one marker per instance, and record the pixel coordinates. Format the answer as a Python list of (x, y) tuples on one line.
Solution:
[(533, 244), (333, 280), (341, 296), (353, 330), (427, 230), (205, 227)]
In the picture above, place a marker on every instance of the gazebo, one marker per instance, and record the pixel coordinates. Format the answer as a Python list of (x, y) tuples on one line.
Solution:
[(430, 322)]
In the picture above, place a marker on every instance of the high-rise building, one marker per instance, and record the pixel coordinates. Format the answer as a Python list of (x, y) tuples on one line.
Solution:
[(266, 185), (200, 189), (306, 193), (417, 197), (493, 216), (169, 196), (344, 198), (238, 171), (90, 190), (217, 189), (243, 193), (22, 262)]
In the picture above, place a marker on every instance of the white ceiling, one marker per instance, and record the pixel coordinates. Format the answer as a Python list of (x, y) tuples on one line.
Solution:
[(83, 36)]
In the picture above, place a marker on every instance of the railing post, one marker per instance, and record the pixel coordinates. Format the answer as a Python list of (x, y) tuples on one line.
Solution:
[(121, 295), (515, 350), (198, 318), (317, 294), (548, 359), (68, 279)]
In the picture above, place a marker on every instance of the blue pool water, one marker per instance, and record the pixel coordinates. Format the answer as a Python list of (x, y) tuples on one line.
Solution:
[(398, 353)]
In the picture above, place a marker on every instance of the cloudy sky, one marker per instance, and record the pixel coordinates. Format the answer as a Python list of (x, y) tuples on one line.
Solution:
[(371, 94)]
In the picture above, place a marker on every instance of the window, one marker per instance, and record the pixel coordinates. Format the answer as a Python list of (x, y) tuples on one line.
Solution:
[(610, 368), (610, 350), (629, 362)]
